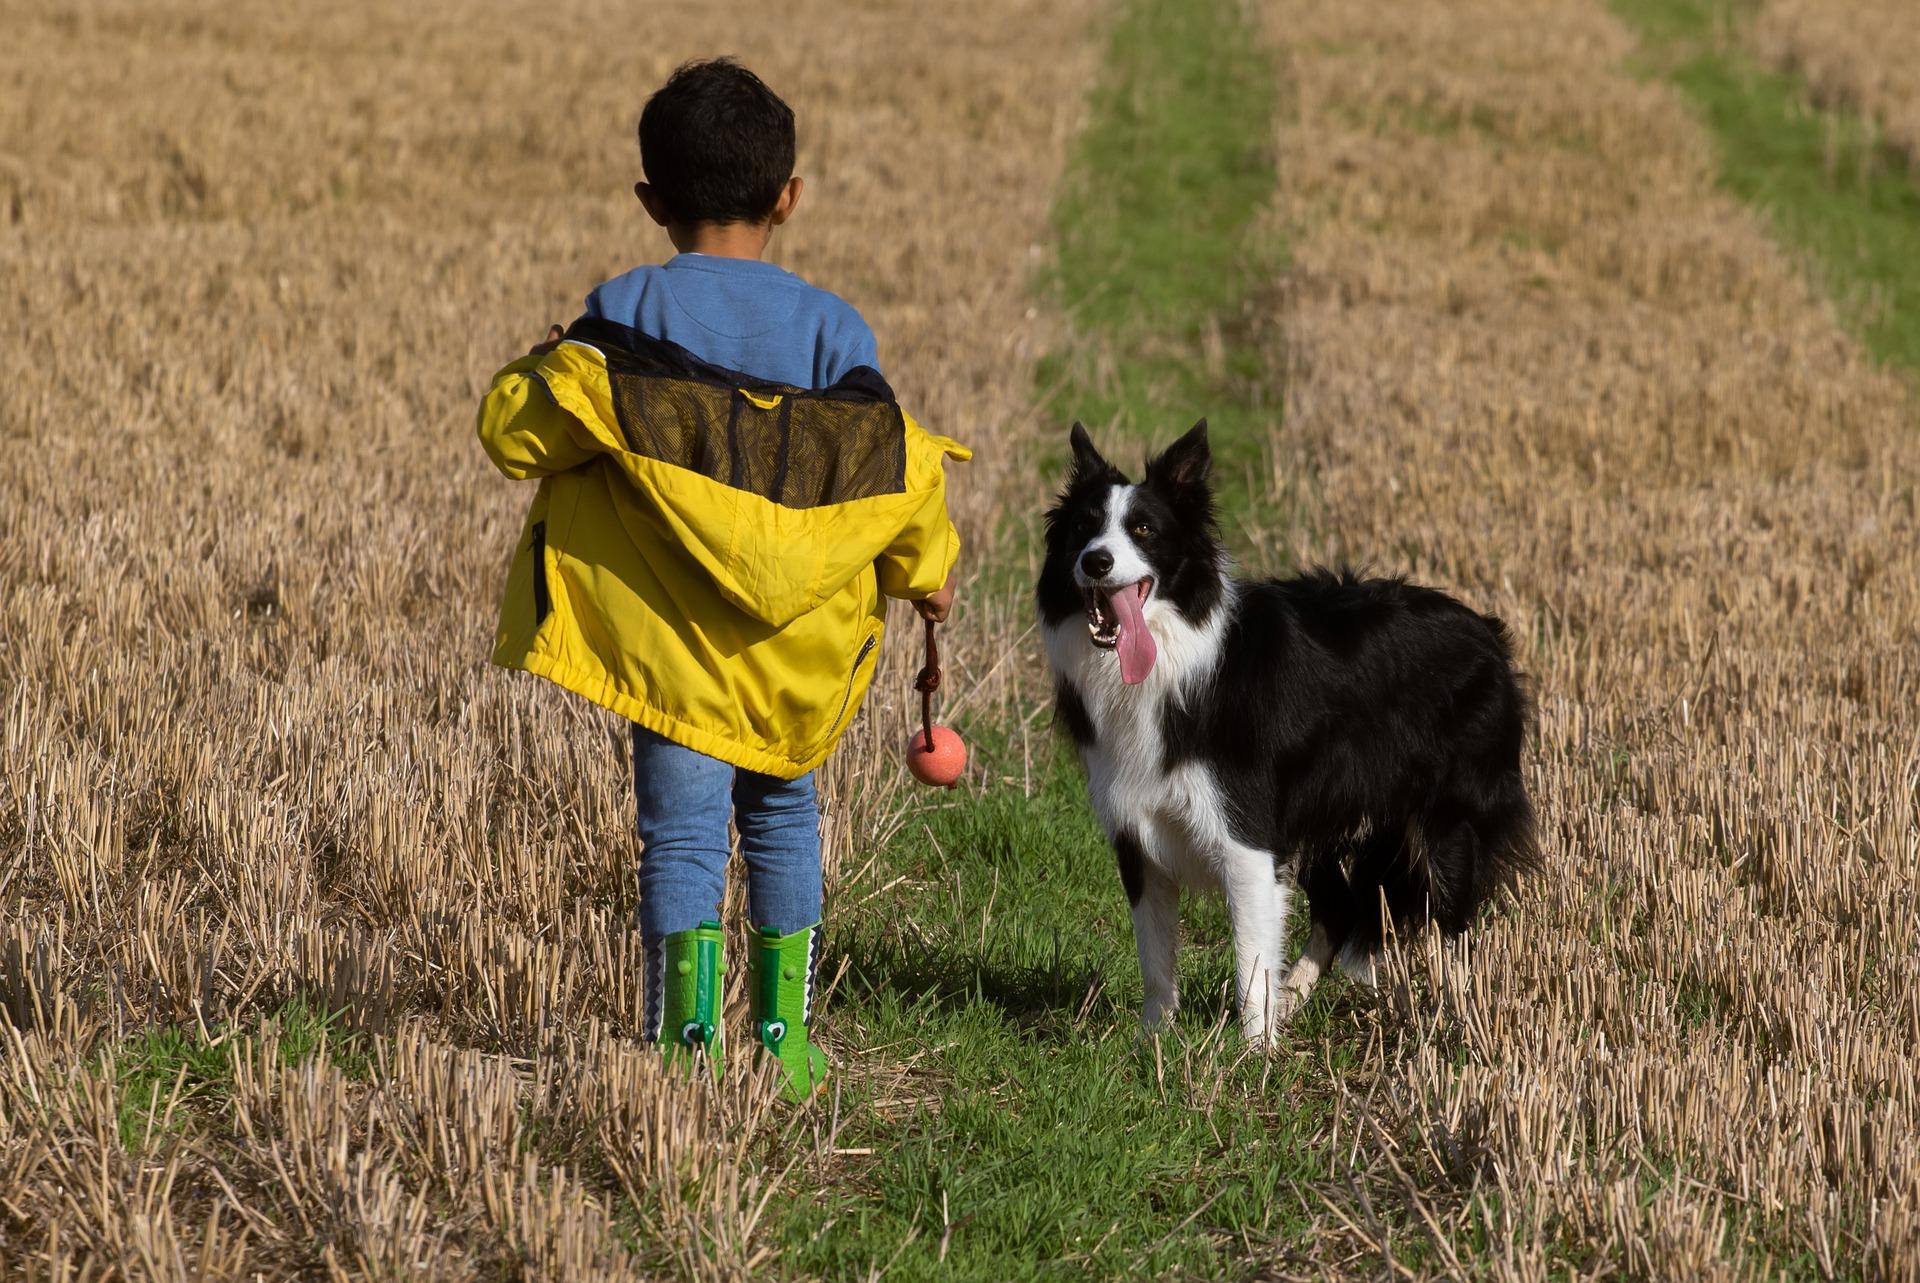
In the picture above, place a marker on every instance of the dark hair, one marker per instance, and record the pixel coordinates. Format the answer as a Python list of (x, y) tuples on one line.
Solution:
[(717, 144)]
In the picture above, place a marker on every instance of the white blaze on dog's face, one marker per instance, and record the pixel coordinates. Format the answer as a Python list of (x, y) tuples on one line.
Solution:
[(1113, 572), (1112, 557), (1131, 557)]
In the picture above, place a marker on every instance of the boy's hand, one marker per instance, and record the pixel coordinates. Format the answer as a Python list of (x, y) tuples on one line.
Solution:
[(934, 609), (554, 335)]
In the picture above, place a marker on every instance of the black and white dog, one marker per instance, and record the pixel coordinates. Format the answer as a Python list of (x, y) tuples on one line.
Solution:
[(1356, 738)]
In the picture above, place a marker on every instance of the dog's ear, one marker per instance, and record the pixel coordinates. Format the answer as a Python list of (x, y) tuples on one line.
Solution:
[(1185, 464), (1087, 461)]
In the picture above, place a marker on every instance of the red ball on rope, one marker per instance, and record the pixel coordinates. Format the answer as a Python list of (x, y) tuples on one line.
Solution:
[(943, 763), (935, 754)]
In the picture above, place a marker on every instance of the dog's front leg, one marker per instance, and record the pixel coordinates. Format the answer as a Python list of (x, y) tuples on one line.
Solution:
[(1155, 898), (1257, 906)]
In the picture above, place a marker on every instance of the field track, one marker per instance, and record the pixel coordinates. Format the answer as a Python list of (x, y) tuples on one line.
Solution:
[(1533, 356), (316, 955)]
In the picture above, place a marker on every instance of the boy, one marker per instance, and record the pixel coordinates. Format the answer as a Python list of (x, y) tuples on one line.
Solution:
[(728, 489)]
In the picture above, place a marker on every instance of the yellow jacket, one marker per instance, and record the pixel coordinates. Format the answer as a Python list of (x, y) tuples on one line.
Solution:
[(706, 553)]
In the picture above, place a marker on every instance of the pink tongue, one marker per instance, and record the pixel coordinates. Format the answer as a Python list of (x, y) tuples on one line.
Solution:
[(1136, 643)]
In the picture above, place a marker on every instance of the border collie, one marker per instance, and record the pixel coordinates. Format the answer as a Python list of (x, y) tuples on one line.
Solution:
[(1356, 738)]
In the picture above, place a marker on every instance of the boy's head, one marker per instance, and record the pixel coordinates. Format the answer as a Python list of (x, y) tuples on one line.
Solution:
[(717, 148)]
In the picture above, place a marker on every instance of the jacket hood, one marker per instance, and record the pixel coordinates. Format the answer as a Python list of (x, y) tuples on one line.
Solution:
[(780, 495)]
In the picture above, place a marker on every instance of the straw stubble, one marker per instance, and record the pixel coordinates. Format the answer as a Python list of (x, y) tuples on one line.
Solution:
[(1533, 357), (262, 264)]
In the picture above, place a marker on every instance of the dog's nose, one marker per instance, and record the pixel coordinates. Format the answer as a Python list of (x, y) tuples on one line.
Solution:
[(1096, 563)]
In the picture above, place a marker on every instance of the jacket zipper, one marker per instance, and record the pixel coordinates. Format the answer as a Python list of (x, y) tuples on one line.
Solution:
[(866, 649), (542, 604)]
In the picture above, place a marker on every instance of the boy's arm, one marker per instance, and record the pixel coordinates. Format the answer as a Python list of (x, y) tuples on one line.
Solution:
[(524, 432), (858, 347), (934, 609), (918, 564)]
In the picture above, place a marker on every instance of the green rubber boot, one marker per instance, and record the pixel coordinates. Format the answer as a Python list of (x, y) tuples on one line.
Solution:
[(782, 989), (685, 1003)]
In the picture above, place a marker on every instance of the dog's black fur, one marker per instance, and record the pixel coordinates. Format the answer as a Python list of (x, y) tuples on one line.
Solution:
[(1365, 731)]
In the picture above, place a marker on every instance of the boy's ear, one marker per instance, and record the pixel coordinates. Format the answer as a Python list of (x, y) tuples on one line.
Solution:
[(656, 209), (1087, 461), (1185, 464), (789, 197)]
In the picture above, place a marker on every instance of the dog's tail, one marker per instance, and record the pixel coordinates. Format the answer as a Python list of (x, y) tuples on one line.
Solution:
[(1509, 845), (1509, 838)]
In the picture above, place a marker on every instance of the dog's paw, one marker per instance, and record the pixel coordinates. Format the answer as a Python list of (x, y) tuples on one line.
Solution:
[(1153, 1025), (1267, 1038), (1357, 965), (1261, 1028)]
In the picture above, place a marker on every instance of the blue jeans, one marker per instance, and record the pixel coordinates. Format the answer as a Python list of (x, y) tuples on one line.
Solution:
[(684, 800)]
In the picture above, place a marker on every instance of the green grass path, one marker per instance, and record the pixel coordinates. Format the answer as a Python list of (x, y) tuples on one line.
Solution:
[(1160, 266), (1030, 1135)]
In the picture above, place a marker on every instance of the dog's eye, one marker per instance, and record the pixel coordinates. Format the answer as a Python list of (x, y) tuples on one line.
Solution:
[(1143, 531)]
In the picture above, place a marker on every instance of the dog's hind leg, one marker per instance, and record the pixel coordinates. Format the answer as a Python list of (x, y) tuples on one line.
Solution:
[(1389, 887), (1257, 905), (1155, 899), (1356, 963), (1331, 904), (1308, 967)]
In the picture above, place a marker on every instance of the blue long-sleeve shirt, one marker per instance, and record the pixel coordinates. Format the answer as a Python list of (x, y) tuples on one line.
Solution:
[(742, 314)]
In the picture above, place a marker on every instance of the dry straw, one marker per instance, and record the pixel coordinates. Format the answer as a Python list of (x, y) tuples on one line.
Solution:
[(249, 554), (1863, 56), (249, 560), (1531, 356)]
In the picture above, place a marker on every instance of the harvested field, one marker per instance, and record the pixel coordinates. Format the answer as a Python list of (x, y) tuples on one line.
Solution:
[(1862, 56), (1532, 356), (264, 263), (316, 943)]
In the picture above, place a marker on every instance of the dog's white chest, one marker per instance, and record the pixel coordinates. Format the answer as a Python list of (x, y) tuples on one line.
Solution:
[(1177, 815)]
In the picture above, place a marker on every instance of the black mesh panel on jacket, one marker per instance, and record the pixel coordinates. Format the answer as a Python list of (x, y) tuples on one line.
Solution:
[(804, 451), (803, 448)]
